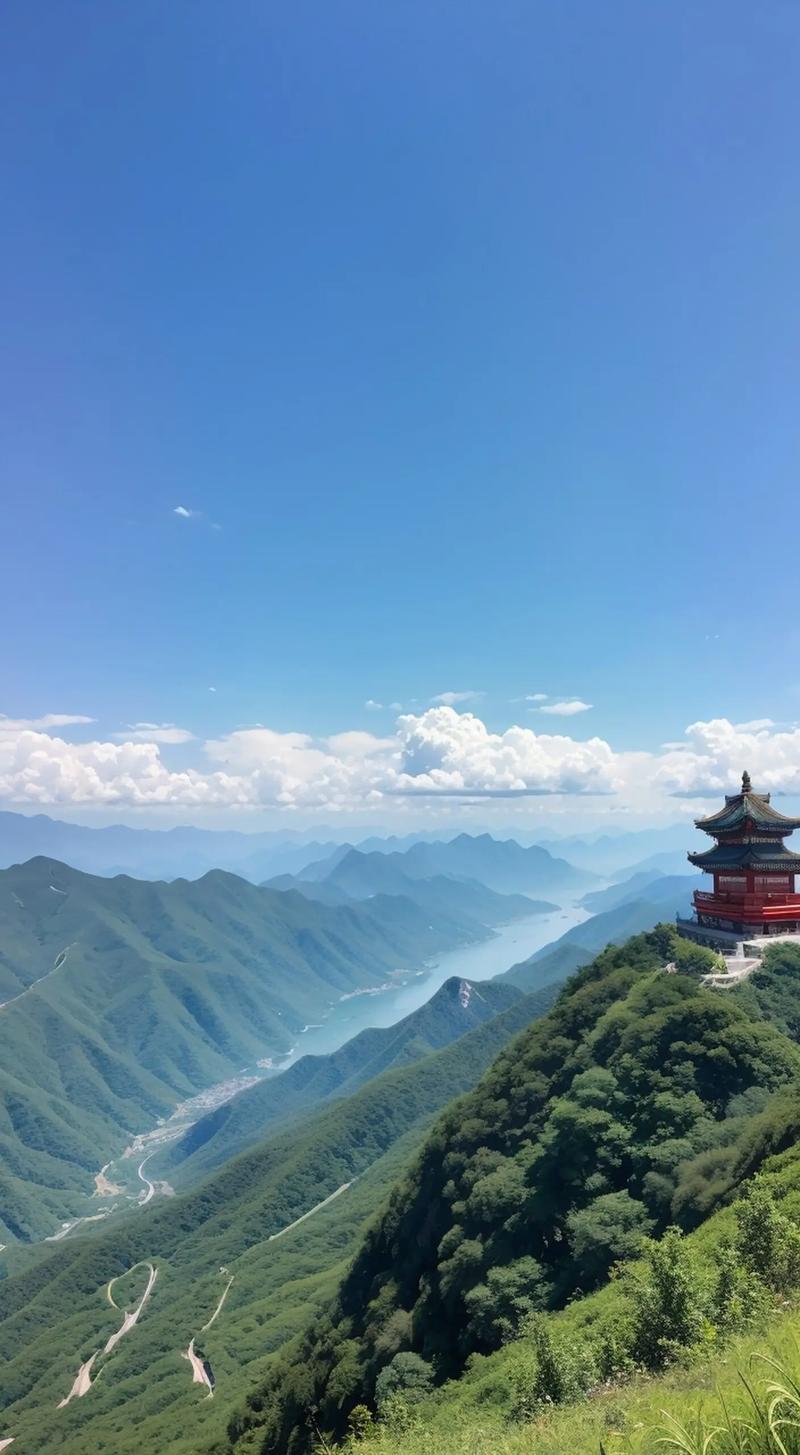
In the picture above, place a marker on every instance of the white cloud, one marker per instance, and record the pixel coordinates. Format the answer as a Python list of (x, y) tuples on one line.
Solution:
[(452, 699), (49, 720), (566, 709), (372, 706), (435, 753), (716, 753), (183, 512), (155, 732), (454, 753), (536, 697)]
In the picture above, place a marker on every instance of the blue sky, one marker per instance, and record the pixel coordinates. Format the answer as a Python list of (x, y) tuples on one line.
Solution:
[(466, 333)]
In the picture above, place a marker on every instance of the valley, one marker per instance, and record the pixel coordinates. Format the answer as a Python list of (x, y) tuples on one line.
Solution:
[(230, 1220)]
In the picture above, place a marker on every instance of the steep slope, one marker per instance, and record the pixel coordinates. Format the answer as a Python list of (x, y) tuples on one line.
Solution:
[(456, 1008), (53, 1316), (662, 899), (122, 997), (592, 1119)]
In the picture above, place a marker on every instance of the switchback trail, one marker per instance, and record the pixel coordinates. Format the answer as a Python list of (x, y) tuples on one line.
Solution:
[(201, 1369), (129, 1319), (82, 1382), (202, 1372), (83, 1379)]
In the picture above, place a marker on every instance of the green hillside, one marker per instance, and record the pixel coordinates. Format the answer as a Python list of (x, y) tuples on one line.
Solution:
[(122, 997), (612, 926), (456, 1008), (56, 1314), (642, 1098), (725, 1380)]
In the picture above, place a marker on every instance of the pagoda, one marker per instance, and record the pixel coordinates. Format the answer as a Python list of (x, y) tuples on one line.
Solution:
[(753, 872)]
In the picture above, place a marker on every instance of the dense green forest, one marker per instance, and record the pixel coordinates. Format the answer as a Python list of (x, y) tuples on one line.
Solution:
[(456, 1008), (146, 993), (55, 1314), (641, 1101)]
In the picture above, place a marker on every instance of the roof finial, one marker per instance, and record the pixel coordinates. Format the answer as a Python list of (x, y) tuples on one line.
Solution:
[(746, 784)]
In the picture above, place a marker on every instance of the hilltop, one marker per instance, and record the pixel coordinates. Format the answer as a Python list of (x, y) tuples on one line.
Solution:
[(597, 1127)]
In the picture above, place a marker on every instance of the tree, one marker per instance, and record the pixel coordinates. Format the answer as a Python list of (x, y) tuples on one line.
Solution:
[(767, 1242), (609, 1230), (667, 1297), (498, 1307), (407, 1376)]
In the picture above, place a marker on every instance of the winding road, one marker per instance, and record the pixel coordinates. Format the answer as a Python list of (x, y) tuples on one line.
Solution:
[(144, 1197), (83, 1379), (201, 1369), (129, 1319)]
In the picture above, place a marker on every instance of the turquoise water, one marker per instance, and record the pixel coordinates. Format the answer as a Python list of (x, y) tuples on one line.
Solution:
[(510, 944)]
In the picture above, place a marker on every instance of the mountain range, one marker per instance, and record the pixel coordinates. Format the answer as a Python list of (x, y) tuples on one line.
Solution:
[(122, 997), (54, 1313), (503, 865), (456, 1007), (354, 874)]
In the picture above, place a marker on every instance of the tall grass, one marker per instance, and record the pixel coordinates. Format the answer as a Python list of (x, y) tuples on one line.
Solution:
[(747, 1403)]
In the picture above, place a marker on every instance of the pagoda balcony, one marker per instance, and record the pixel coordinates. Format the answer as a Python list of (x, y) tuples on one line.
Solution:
[(749, 907)]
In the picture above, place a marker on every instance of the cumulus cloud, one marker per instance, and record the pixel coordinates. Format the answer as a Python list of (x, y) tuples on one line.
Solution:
[(182, 511), (454, 753), (155, 732), (536, 697), (435, 753), (451, 699), (714, 755), (569, 708)]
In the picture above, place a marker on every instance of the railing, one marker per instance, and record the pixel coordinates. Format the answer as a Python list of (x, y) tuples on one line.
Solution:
[(753, 901), (748, 906)]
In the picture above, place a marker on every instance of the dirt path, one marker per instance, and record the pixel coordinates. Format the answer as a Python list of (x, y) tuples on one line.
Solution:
[(218, 1309), (60, 960), (82, 1384), (200, 1372), (318, 1208), (9, 1441), (83, 1379), (129, 1319)]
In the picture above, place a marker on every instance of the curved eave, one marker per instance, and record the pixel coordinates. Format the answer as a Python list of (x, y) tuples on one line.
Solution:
[(754, 807), (786, 864)]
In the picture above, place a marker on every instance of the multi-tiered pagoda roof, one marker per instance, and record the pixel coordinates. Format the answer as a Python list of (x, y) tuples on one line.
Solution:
[(749, 834), (753, 873)]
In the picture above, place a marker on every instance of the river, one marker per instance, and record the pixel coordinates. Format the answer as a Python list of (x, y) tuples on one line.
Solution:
[(482, 961), (506, 947)]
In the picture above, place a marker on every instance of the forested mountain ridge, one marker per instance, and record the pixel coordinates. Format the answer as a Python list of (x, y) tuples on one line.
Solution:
[(456, 1008), (121, 997), (579, 945), (592, 1129), (54, 1315)]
